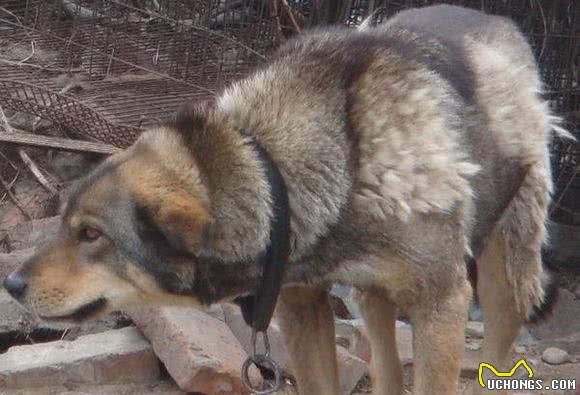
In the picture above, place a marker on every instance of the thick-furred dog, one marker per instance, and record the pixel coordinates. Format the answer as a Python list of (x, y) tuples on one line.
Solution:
[(404, 148)]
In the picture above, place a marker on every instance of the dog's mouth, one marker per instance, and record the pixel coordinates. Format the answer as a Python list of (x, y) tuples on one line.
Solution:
[(81, 313)]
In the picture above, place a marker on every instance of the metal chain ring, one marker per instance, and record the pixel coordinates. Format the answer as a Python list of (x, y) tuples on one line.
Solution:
[(262, 360)]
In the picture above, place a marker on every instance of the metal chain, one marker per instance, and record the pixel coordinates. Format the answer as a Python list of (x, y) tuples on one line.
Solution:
[(261, 360)]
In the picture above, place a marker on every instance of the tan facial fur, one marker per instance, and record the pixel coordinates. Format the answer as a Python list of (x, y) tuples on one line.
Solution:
[(174, 197), (61, 279), (73, 272)]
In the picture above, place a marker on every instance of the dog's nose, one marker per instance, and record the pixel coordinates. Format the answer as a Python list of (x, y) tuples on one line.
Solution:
[(15, 285)]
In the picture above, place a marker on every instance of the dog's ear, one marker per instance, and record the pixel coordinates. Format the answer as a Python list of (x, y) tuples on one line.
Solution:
[(176, 219), (189, 117)]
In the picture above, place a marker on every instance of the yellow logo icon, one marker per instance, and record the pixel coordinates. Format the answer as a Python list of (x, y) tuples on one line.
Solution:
[(521, 362)]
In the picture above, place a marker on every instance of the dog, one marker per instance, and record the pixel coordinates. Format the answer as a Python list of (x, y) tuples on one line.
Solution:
[(405, 148)]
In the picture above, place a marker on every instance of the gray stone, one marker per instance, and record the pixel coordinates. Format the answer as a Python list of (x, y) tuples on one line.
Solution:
[(405, 344), (520, 349), (472, 346), (116, 356), (470, 363), (347, 294), (555, 356), (402, 324), (474, 329), (359, 346), (351, 335), (570, 343), (350, 370), (475, 313)]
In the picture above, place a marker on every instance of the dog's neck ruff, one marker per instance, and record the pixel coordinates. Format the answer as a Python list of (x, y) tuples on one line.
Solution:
[(258, 308)]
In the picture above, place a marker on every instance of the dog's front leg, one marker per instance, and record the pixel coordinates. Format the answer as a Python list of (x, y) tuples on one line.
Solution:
[(438, 341), (308, 325), (380, 316)]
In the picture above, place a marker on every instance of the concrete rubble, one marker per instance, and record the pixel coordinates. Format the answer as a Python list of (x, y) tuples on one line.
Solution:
[(116, 356)]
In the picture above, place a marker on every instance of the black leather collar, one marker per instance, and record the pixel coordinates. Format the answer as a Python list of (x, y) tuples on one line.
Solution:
[(258, 308)]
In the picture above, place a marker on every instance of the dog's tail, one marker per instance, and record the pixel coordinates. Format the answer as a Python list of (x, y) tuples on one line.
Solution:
[(523, 230)]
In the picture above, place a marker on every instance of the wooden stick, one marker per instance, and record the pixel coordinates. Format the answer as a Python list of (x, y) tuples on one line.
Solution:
[(39, 66), (23, 138), (4, 120), (36, 171), (77, 10), (9, 186), (291, 15), (33, 45), (15, 199)]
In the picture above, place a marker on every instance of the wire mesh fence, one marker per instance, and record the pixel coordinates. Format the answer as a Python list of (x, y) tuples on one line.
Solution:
[(131, 63), (105, 69)]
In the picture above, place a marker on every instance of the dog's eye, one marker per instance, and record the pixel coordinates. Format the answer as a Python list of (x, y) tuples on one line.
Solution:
[(90, 234)]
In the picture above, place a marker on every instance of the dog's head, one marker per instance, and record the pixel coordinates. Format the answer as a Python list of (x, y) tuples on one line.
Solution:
[(129, 235)]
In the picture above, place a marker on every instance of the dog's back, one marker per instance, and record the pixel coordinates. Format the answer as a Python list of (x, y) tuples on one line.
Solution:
[(489, 64), (508, 129)]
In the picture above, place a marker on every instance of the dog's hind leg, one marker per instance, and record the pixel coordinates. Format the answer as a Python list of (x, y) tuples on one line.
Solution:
[(501, 317), (307, 322), (380, 315), (438, 340)]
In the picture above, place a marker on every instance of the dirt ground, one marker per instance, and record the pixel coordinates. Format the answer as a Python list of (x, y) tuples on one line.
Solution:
[(167, 387)]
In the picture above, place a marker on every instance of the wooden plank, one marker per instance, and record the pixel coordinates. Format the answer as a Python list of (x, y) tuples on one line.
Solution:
[(23, 138)]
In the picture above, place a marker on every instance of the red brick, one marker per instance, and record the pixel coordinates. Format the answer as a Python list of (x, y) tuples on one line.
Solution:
[(199, 351)]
